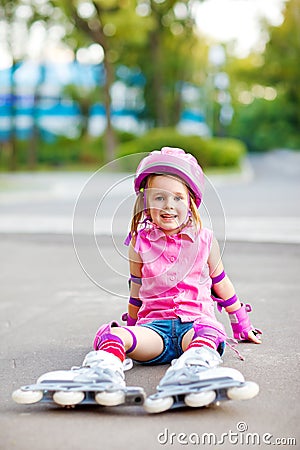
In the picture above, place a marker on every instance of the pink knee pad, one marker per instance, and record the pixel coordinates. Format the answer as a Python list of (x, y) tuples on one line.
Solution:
[(212, 333), (104, 329)]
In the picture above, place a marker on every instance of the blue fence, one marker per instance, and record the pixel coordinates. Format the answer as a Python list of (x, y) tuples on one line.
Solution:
[(32, 98)]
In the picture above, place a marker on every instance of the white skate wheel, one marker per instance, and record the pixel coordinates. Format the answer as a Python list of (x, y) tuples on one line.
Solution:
[(27, 397), (198, 399), (158, 405), (68, 398), (248, 390), (110, 398)]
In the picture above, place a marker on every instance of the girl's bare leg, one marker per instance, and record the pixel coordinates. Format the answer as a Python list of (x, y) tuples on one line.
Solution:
[(187, 339), (149, 343)]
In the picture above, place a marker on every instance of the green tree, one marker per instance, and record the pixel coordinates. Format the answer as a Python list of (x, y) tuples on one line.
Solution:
[(107, 23), (281, 65), (85, 98), (170, 54), (8, 13), (17, 18), (266, 92), (158, 37)]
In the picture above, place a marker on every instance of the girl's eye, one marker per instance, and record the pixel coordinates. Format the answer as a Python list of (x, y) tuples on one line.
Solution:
[(159, 198), (177, 198)]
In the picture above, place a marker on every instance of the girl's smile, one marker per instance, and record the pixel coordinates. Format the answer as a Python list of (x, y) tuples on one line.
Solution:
[(168, 202)]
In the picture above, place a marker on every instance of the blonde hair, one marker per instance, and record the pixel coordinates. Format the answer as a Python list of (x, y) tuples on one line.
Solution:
[(139, 209)]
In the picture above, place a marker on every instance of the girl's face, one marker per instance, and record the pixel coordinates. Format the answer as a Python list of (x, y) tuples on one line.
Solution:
[(168, 202)]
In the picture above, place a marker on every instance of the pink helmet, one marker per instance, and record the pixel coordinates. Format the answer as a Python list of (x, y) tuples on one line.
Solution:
[(173, 161)]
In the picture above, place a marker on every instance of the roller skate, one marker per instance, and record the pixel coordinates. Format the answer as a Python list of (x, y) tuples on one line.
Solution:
[(195, 380), (100, 380)]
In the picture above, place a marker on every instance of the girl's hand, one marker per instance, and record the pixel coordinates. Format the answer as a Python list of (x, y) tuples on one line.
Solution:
[(253, 337)]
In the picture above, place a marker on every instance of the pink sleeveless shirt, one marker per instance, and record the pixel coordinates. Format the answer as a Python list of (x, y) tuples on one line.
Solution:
[(175, 276)]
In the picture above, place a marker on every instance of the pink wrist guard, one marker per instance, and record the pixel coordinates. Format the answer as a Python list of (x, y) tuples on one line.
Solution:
[(126, 317), (130, 321), (240, 323)]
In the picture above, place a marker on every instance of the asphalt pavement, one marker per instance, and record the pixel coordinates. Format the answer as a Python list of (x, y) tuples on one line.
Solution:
[(56, 289)]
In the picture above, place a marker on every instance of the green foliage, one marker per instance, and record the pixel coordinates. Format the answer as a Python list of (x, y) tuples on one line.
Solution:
[(225, 152), (64, 151), (263, 126), (173, 54), (85, 152), (215, 152), (89, 152)]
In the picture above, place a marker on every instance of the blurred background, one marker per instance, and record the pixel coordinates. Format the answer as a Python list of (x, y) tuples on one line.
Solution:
[(84, 82)]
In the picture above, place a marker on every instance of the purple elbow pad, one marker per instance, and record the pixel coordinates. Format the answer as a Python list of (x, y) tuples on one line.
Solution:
[(220, 302), (240, 323), (218, 278), (134, 279), (224, 303)]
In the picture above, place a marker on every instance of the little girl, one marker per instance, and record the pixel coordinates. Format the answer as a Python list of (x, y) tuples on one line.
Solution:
[(175, 264)]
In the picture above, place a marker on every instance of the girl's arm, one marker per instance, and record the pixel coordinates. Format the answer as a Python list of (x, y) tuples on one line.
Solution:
[(135, 265), (224, 289)]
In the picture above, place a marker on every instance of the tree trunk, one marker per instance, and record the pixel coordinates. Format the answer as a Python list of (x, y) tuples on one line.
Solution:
[(177, 107), (161, 117), (32, 151), (110, 135), (13, 160), (96, 33)]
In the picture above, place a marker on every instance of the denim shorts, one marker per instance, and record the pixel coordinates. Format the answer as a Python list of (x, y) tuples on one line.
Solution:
[(171, 332)]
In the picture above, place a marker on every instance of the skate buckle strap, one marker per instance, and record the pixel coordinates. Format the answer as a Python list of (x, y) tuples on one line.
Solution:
[(240, 323)]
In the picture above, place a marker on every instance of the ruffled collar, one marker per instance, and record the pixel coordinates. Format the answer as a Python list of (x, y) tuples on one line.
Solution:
[(155, 233)]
